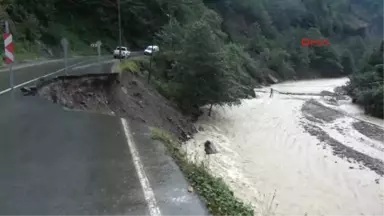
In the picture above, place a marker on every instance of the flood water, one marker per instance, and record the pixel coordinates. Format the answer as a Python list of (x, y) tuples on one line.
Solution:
[(270, 161)]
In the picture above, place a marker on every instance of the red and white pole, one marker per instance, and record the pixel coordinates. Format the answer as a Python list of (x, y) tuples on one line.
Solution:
[(8, 48), (8, 51)]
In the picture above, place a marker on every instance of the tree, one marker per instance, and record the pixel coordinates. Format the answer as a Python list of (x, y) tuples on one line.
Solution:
[(382, 46), (198, 67), (347, 63), (366, 85)]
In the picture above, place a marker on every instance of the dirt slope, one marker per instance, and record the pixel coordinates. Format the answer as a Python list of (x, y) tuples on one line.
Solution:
[(123, 95)]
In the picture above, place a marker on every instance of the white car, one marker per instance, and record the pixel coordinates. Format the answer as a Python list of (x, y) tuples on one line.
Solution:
[(151, 49), (123, 50)]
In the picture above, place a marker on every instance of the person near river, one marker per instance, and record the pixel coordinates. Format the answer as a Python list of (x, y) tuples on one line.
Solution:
[(271, 93)]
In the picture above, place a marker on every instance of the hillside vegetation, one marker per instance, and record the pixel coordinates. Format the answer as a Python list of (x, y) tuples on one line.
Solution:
[(213, 51)]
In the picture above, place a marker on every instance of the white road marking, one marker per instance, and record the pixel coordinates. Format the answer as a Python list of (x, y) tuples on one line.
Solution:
[(149, 195), (91, 65), (32, 80), (5, 69)]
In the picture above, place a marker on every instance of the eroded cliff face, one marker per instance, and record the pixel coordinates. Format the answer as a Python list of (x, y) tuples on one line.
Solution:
[(123, 95)]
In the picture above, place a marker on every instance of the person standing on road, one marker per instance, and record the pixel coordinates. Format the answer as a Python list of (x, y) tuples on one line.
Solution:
[(271, 93)]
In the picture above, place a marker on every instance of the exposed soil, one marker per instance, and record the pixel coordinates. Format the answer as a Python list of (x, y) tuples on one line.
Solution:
[(313, 111), (139, 101), (370, 130), (344, 151), (122, 95), (318, 111), (86, 92)]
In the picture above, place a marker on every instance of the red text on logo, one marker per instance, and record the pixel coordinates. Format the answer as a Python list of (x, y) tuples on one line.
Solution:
[(314, 42)]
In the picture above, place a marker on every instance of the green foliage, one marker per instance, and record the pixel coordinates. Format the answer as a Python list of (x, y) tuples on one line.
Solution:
[(366, 86), (202, 68), (208, 59), (280, 25), (253, 24), (218, 197), (348, 63), (213, 51)]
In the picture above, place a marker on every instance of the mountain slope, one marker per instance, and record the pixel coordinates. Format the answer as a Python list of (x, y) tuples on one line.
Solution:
[(213, 51)]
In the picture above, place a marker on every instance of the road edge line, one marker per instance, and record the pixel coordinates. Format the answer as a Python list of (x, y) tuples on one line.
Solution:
[(149, 195)]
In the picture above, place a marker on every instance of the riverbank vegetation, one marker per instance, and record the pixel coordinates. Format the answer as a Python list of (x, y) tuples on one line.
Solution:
[(366, 85), (218, 51)]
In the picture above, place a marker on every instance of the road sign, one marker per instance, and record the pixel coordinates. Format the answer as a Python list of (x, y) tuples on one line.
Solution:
[(8, 48), (97, 44)]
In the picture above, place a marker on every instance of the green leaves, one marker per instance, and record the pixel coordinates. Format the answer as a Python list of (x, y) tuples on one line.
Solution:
[(348, 63), (366, 86), (209, 71)]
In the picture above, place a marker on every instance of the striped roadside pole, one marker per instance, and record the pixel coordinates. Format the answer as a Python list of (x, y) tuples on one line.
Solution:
[(9, 57)]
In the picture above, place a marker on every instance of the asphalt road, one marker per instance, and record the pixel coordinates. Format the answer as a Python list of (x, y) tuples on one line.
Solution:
[(54, 161)]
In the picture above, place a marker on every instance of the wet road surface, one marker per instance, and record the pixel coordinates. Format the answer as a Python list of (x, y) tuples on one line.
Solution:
[(54, 161)]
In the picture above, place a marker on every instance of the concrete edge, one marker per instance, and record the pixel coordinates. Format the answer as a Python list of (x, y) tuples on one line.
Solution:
[(167, 180)]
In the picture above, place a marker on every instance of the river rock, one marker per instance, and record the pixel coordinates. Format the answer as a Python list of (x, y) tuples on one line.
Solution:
[(190, 189), (209, 148)]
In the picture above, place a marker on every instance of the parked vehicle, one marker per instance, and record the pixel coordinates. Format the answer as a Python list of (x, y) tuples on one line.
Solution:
[(151, 49), (121, 52)]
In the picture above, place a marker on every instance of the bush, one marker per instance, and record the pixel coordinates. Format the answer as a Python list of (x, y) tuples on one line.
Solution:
[(366, 86)]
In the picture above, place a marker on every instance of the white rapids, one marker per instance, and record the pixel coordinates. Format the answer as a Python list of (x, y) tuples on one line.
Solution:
[(270, 161)]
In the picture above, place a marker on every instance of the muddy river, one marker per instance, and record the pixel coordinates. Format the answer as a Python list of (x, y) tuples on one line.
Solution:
[(273, 162)]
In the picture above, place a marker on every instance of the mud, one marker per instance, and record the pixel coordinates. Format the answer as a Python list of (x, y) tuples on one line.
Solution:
[(344, 151), (370, 130), (320, 112), (85, 92), (123, 95), (139, 101), (313, 111)]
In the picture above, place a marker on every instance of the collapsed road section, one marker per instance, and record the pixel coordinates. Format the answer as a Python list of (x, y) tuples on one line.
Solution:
[(122, 95)]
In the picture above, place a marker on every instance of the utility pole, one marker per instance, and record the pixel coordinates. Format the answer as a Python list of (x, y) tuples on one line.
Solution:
[(120, 40)]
